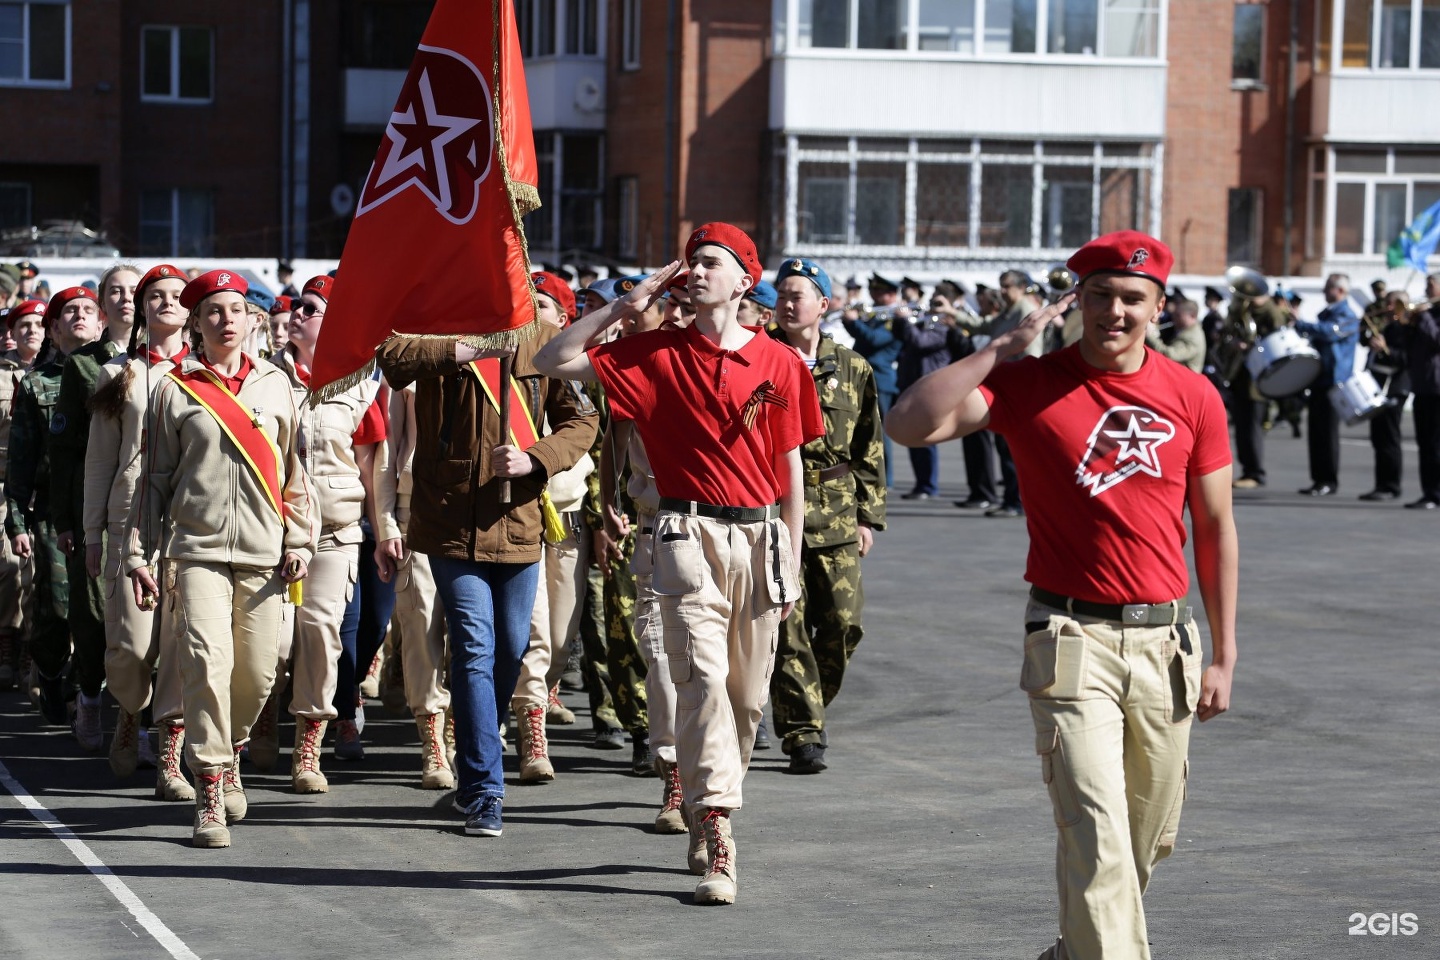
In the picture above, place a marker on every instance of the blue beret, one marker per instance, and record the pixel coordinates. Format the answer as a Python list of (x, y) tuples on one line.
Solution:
[(809, 269), (604, 289), (764, 293), (260, 298)]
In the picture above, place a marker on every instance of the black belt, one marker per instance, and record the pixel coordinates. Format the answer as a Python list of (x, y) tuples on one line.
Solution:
[(727, 514), (1129, 614)]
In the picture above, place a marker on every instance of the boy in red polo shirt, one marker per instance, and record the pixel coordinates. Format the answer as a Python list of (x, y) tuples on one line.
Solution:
[(723, 411), (1112, 442)]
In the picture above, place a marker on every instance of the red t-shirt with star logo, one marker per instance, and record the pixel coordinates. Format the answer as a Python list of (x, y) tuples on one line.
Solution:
[(1105, 461)]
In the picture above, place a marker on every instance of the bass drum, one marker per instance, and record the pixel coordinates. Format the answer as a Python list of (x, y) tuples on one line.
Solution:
[(1283, 364), (1359, 398)]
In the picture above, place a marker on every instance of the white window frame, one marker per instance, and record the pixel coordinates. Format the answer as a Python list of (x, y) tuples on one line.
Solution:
[(630, 34), (1372, 247), (174, 95), (1251, 83), (174, 221), (907, 151), (786, 40), (24, 80), (1337, 42)]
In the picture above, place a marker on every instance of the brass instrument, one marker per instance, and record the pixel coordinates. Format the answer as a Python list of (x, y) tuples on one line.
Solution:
[(1239, 333), (1060, 280)]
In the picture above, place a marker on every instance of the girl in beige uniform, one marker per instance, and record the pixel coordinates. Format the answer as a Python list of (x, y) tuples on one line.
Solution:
[(135, 638), (337, 440), (229, 506)]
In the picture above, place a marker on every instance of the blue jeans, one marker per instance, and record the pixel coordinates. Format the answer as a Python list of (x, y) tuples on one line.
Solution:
[(487, 608)]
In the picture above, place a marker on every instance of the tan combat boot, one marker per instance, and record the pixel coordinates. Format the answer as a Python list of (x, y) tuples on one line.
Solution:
[(125, 745), (530, 743), (435, 772), (697, 857), (370, 685), (305, 775), (450, 737), (556, 712), (235, 805), (265, 736), (170, 783), (210, 829), (718, 886), (670, 819)]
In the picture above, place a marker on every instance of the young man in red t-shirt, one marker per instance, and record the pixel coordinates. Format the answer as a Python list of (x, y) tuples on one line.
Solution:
[(1112, 442), (723, 411)]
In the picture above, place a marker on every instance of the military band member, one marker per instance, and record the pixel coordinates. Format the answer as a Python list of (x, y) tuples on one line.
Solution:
[(1336, 332), (844, 506), (1386, 335), (1249, 320), (875, 340), (1188, 346), (1422, 348)]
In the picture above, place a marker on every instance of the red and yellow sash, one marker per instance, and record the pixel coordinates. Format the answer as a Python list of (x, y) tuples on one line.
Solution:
[(243, 428), (523, 434)]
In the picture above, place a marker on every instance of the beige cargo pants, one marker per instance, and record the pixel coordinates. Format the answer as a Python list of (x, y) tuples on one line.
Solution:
[(1112, 707), (418, 625), (557, 613), (720, 588), (659, 686), (138, 641), (315, 650)]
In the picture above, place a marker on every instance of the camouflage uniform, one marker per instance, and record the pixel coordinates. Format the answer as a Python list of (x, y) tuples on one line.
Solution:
[(69, 435), (27, 494), (820, 636)]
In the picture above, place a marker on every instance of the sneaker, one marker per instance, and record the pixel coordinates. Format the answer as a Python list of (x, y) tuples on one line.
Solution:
[(719, 884), (556, 712), (1003, 511), (915, 495), (484, 820), (762, 736), (347, 741), (642, 761), (609, 738), (87, 723), (975, 503), (125, 745), (807, 758)]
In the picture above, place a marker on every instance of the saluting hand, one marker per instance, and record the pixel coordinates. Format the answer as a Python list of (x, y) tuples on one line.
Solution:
[(511, 462), (645, 293), (1014, 343)]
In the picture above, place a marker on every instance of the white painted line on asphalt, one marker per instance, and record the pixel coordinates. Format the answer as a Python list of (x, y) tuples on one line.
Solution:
[(156, 928)]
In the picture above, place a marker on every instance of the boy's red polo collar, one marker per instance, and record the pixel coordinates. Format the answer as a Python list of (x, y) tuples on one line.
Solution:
[(710, 350)]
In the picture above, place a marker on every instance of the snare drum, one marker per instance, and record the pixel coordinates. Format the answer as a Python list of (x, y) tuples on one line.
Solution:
[(1283, 364), (1359, 398)]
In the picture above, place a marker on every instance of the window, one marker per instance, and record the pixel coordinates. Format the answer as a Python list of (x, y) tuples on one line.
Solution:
[(1242, 227), (176, 64), (1248, 44), (630, 35), (177, 223), (15, 205), (571, 192), (628, 225), (1383, 35), (1010, 26), (35, 44), (382, 34), (967, 194), (1377, 194), (1072, 26), (1132, 28), (536, 22), (582, 27), (947, 25)]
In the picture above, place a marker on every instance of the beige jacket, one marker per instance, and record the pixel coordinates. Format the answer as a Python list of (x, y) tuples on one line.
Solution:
[(202, 502), (393, 479), (328, 451), (112, 454)]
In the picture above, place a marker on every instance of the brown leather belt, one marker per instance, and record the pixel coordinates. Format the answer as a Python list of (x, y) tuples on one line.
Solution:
[(813, 477)]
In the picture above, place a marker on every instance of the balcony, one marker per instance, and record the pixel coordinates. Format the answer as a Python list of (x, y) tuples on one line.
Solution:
[(847, 92), (1379, 106), (565, 94)]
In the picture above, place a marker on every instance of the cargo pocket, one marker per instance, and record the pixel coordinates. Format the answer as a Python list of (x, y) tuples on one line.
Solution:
[(678, 561), (1171, 831), (1057, 777), (642, 561), (1056, 659), (781, 582), (1185, 674)]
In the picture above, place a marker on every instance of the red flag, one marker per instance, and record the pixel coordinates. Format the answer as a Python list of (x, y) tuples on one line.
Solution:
[(437, 246)]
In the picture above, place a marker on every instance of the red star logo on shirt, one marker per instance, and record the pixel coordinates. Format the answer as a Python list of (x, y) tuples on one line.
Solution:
[(1124, 442), (440, 138)]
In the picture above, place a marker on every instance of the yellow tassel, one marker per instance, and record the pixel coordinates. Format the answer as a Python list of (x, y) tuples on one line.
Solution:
[(555, 531)]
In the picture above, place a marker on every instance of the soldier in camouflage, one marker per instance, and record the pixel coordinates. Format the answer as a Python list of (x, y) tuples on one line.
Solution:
[(72, 320), (844, 505), (16, 575)]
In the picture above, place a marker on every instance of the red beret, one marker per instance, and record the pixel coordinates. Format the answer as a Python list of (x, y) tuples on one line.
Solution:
[(57, 302), (1126, 251), (681, 282), (733, 239), (556, 289), (162, 271), (283, 304), (209, 284), (25, 308), (322, 286)]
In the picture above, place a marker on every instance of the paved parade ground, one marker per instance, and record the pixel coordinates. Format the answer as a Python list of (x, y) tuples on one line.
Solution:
[(1312, 801)]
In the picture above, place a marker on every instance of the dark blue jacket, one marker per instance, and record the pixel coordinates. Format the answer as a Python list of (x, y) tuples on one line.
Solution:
[(1423, 354), (925, 348), (1335, 335), (875, 340)]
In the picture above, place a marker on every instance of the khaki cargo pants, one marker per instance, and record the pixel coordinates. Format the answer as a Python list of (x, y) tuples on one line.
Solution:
[(557, 612), (315, 650), (720, 588), (418, 627), (137, 641), (1112, 707), (659, 686)]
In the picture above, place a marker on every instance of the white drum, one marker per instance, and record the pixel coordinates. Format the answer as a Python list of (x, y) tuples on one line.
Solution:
[(1359, 398), (1283, 364)]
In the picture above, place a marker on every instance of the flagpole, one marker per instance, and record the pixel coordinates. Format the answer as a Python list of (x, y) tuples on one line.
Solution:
[(505, 391)]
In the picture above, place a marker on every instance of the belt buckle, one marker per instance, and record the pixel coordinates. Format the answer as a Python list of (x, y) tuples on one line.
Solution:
[(1135, 613), (730, 513)]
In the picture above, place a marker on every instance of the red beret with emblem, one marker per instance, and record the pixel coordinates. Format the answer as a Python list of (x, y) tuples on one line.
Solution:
[(1126, 251), (283, 304), (25, 308), (163, 271), (209, 284), (733, 239), (681, 282), (58, 301), (556, 289), (322, 286)]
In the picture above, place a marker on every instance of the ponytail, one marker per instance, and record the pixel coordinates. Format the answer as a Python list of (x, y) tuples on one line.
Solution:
[(110, 399)]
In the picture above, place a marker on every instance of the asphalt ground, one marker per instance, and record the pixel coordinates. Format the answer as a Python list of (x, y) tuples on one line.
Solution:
[(1312, 801)]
